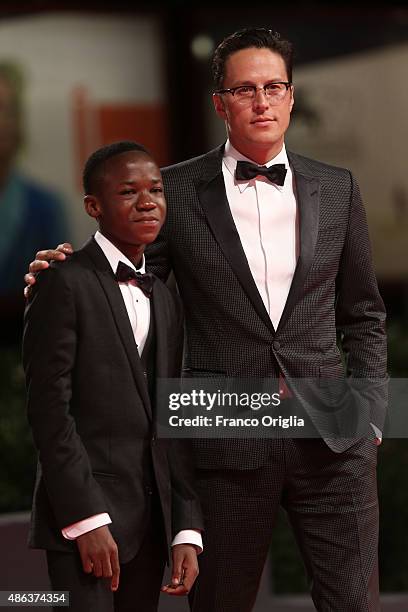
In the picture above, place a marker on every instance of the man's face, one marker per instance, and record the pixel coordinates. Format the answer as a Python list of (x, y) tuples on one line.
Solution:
[(129, 203), (255, 128)]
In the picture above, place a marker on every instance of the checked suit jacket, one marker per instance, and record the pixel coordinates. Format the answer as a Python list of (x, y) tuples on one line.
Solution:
[(228, 330), (90, 411)]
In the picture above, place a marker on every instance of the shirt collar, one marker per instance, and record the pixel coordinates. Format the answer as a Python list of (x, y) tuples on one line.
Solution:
[(114, 256), (232, 156)]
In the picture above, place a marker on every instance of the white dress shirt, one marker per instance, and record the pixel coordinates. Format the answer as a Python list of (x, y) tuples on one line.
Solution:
[(265, 216), (138, 309), (136, 302)]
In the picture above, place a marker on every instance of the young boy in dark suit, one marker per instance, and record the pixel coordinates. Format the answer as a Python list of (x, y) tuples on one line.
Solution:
[(109, 495)]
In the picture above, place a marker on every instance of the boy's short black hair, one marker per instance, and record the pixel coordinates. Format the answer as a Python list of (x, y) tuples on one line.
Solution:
[(93, 169)]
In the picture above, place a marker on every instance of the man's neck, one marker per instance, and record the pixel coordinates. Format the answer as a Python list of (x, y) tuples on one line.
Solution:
[(258, 155)]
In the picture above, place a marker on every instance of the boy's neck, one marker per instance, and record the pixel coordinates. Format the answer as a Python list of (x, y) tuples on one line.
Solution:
[(133, 252)]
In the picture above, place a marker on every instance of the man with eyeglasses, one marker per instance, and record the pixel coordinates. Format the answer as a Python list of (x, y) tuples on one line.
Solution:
[(271, 255)]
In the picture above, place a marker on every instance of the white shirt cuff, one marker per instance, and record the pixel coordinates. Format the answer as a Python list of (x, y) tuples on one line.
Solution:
[(378, 432), (189, 536), (72, 532)]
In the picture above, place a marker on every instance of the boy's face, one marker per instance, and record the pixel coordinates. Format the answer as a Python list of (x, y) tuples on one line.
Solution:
[(129, 202)]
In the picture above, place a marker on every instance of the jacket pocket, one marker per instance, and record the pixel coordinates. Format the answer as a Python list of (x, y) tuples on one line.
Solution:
[(106, 475)]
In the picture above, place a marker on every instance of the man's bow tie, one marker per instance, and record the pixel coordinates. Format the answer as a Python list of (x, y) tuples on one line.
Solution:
[(247, 171), (125, 273)]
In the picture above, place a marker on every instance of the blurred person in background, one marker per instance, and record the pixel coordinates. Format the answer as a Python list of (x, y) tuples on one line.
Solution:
[(30, 214)]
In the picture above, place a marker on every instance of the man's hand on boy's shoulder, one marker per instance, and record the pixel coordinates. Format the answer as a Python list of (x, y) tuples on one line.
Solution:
[(41, 262), (184, 569), (99, 555)]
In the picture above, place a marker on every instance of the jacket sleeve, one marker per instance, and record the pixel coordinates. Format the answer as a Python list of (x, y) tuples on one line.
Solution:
[(186, 510), (360, 311), (49, 347)]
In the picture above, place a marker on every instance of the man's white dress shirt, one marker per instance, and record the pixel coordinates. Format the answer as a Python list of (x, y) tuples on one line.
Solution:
[(265, 216)]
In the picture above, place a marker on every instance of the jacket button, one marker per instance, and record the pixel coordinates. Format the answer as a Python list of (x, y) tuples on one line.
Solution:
[(149, 491), (145, 374), (276, 345)]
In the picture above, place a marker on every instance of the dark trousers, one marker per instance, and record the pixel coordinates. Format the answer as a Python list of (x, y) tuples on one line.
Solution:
[(331, 503), (139, 583)]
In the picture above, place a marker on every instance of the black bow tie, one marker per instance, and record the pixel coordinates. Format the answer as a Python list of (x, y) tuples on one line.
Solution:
[(247, 171), (125, 273)]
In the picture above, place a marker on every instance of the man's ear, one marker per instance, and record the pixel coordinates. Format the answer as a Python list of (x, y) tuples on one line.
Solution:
[(92, 206), (292, 97), (219, 106)]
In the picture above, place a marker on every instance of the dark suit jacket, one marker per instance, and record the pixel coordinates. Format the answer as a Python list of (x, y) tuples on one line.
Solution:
[(229, 332), (90, 411)]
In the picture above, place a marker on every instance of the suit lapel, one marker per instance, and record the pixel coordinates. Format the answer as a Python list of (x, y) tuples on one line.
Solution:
[(213, 199), (113, 294), (307, 196)]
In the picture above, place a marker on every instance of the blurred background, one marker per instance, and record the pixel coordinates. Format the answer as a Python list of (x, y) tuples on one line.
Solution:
[(74, 78)]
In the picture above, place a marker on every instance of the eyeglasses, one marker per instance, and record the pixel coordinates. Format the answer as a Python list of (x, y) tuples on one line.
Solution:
[(275, 92)]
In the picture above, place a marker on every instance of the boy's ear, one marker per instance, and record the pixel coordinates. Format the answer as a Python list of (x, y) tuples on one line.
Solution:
[(92, 206)]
